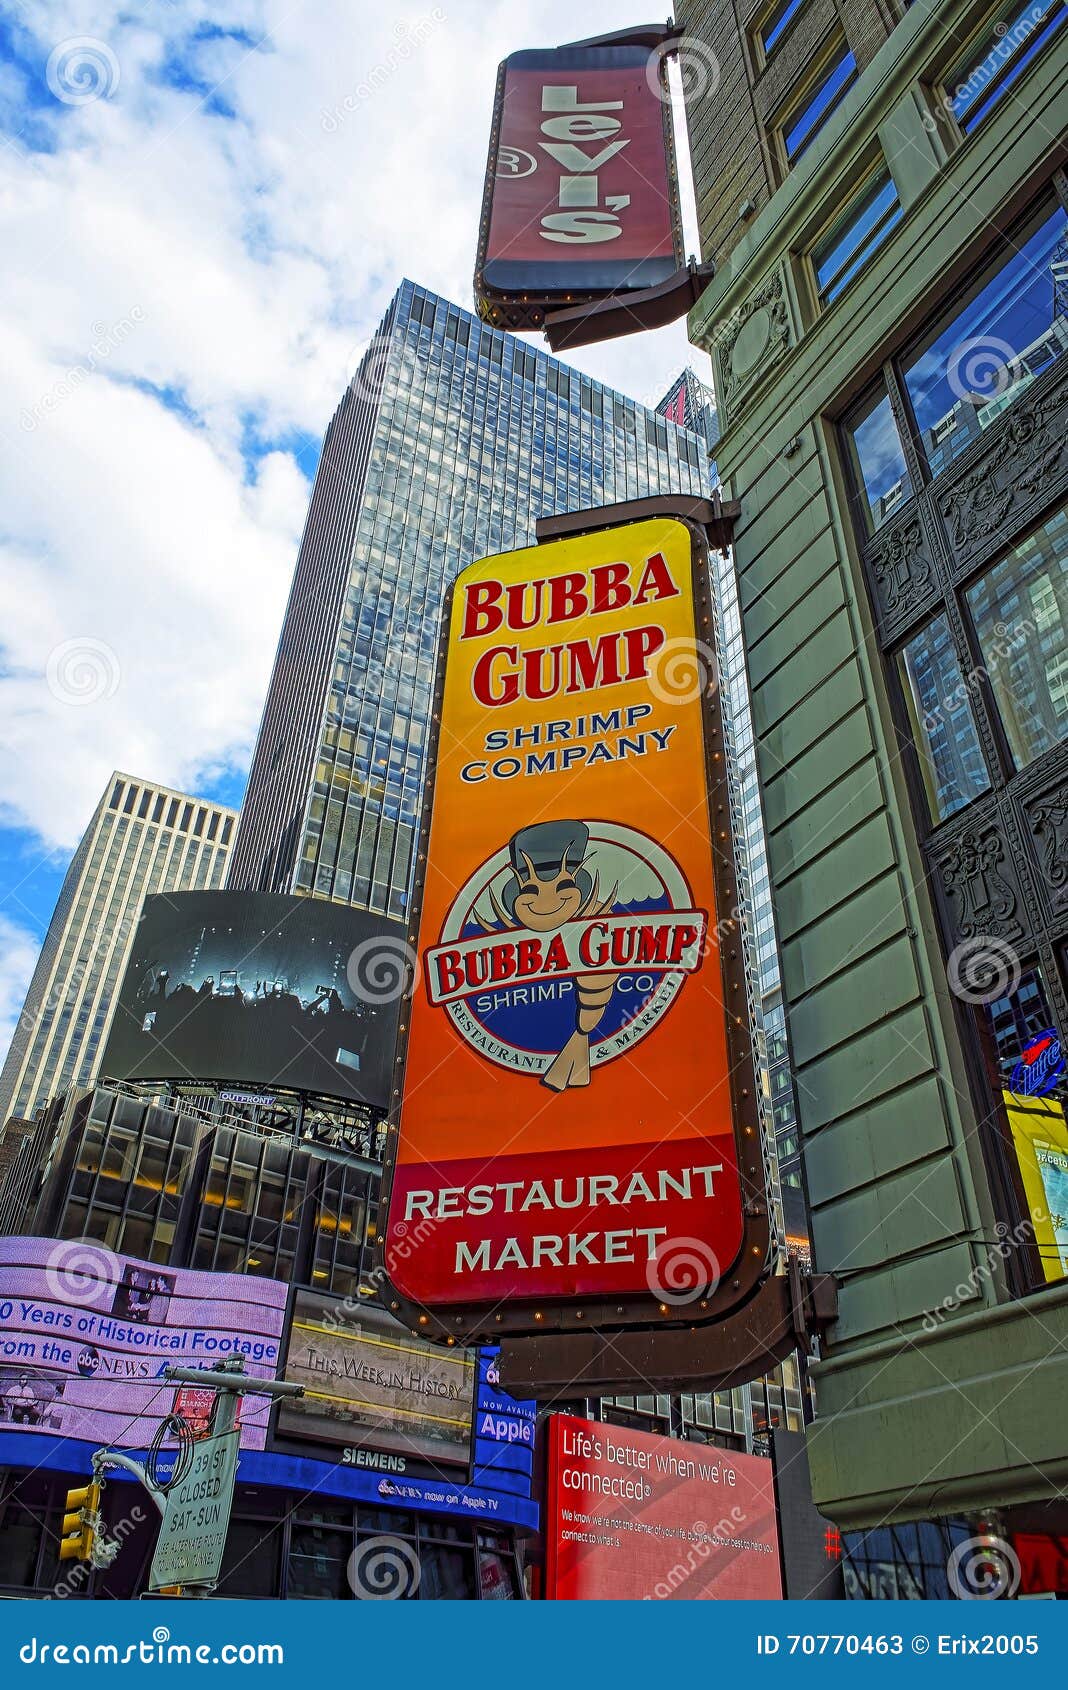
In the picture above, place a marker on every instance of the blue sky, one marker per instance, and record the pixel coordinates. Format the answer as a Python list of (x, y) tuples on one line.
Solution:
[(207, 210)]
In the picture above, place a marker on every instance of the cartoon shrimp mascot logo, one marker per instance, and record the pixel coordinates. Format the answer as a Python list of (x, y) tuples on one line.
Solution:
[(543, 971)]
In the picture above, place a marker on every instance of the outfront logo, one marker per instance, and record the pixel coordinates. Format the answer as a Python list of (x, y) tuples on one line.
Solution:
[(565, 948)]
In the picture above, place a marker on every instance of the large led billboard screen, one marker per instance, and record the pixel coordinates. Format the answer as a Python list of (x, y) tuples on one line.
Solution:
[(85, 1335), (577, 1116), (634, 1517), (259, 989), (369, 1384)]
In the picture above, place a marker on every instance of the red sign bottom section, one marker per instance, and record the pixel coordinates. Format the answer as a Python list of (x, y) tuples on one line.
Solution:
[(633, 1517), (646, 1219)]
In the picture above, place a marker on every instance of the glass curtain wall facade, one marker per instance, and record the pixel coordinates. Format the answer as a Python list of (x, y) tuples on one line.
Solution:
[(451, 441), (143, 838)]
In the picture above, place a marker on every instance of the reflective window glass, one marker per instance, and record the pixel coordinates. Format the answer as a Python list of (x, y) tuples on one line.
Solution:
[(808, 118), (856, 236), (1008, 45), (943, 725), (1011, 328), (880, 474), (772, 31), (1020, 611)]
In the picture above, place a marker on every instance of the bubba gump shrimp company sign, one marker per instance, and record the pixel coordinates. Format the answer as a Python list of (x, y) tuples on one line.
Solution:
[(565, 1115)]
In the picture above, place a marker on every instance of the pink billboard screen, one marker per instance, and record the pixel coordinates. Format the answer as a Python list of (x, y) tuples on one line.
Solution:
[(85, 1335)]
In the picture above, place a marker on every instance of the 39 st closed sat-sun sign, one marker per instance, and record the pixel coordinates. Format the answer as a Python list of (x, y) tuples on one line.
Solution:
[(573, 1138), (581, 196)]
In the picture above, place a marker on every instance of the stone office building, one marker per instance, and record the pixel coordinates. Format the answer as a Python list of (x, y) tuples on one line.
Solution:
[(881, 187)]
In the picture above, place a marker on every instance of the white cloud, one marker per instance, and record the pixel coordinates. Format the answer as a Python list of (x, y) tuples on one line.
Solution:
[(18, 954), (160, 250)]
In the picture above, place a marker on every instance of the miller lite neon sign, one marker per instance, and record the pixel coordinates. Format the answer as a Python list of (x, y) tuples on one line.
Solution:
[(1040, 1066)]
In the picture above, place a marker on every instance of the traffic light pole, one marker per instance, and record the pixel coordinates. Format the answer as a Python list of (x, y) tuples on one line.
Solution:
[(83, 1531)]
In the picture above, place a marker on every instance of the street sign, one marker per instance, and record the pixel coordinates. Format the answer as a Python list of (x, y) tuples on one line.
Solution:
[(574, 1141), (192, 1536)]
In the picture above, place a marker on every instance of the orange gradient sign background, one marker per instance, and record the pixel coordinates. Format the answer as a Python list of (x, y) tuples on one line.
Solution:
[(565, 1120)]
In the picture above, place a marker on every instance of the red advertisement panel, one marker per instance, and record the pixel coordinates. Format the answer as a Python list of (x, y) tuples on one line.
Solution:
[(581, 167), (633, 1517)]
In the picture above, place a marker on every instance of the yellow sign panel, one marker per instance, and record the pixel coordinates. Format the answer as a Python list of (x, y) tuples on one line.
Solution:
[(1040, 1136)]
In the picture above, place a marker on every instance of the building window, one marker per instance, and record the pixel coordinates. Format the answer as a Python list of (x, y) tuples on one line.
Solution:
[(855, 236), (880, 474), (818, 103), (1011, 327), (943, 726), (999, 56), (1020, 612), (775, 25)]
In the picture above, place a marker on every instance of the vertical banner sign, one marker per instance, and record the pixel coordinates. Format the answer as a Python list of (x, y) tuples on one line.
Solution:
[(564, 1131), (581, 197)]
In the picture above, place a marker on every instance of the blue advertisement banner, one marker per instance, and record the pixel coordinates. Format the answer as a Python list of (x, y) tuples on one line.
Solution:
[(504, 1432), (490, 1502), (812, 1643)]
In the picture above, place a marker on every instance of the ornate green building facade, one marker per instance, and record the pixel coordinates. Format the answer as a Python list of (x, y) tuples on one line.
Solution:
[(882, 189)]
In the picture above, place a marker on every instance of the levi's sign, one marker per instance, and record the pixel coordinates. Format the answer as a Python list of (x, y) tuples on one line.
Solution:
[(565, 1124), (581, 195)]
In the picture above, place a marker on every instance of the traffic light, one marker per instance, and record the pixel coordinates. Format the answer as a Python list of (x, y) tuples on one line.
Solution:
[(81, 1522)]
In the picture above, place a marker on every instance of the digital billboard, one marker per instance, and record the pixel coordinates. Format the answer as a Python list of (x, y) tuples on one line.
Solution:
[(505, 1431), (581, 197), (85, 1335), (634, 1517), (369, 1384), (1040, 1136), (260, 989), (567, 1115)]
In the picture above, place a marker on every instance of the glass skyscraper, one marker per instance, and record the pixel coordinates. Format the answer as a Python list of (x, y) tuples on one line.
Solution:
[(690, 403), (451, 441), (143, 838)]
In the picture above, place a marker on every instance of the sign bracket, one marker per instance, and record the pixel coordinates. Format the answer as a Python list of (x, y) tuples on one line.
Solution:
[(628, 313), (785, 1313)]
